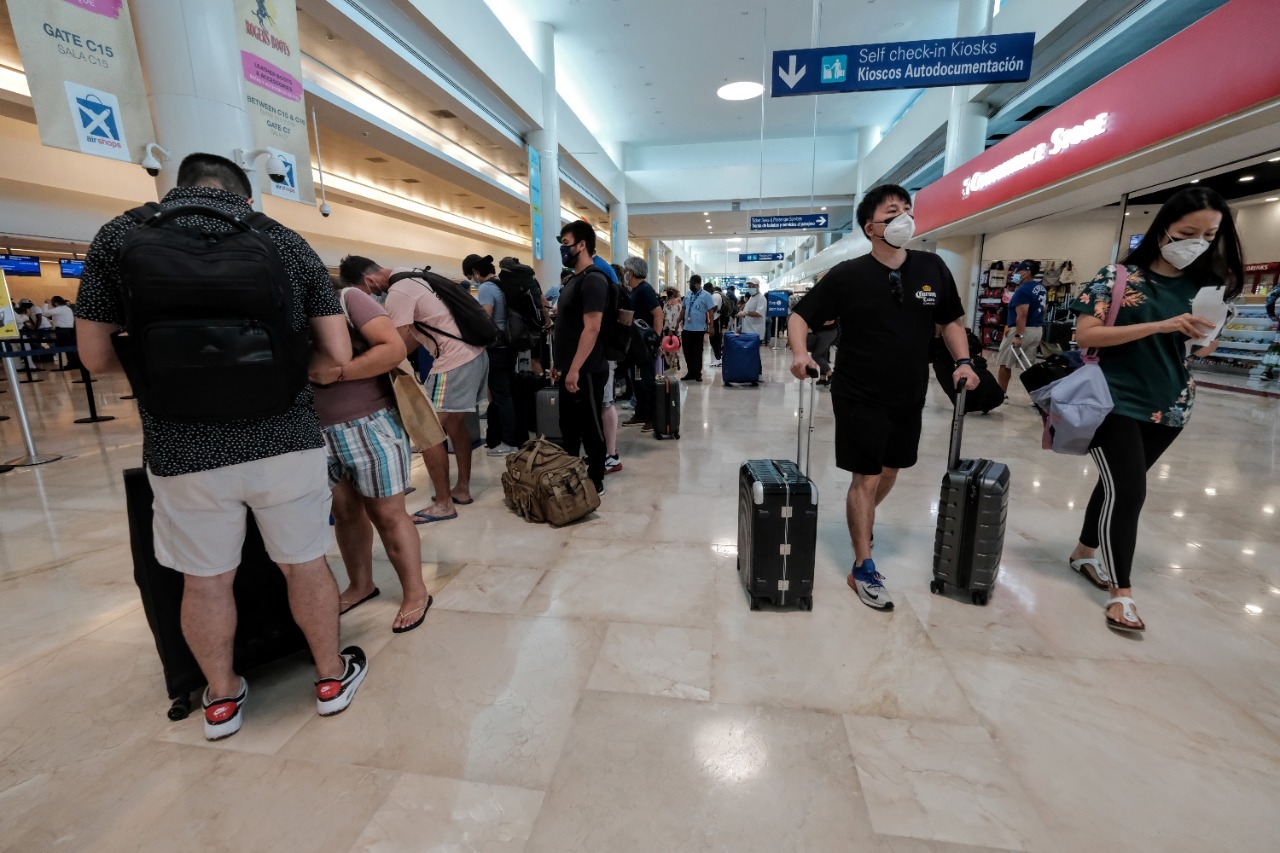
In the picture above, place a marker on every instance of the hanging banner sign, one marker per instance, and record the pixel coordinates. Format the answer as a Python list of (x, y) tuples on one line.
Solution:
[(903, 65), (750, 257), (8, 314), (798, 222), (81, 63), (271, 61), (535, 201)]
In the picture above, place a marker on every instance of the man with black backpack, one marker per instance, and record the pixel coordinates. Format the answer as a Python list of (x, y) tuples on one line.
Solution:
[(207, 306), (513, 338), (437, 313)]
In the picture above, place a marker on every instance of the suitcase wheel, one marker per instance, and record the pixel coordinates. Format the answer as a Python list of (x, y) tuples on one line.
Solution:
[(181, 708), (936, 587), (980, 597), (755, 602), (807, 603)]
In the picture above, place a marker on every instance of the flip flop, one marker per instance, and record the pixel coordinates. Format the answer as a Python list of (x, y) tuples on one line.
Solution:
[(1128, 611), (376, 592), (405, 628), (411, 490), (1098, 577), (458, 502), (421, 517)]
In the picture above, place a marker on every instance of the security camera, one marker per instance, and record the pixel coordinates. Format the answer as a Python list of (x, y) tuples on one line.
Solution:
[(275, 169), (325, 209), (150, 163)]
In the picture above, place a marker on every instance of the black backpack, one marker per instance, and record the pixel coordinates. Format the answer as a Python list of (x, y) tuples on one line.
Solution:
[(646, 345), (616, 333), (208, 318), (474, 326), (523, 296)]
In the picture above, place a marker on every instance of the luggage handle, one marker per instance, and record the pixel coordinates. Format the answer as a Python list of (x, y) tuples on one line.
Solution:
[(803, 462), (957, 429), (1024, 360)]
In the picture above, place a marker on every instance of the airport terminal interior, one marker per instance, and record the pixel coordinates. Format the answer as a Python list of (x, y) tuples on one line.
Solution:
[(610, 685)]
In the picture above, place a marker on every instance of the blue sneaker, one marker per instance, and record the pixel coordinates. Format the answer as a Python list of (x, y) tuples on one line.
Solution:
[(869, 584)]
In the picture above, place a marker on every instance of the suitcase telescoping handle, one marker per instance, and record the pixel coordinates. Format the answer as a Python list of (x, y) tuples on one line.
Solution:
[(803, 462), (957, 430)]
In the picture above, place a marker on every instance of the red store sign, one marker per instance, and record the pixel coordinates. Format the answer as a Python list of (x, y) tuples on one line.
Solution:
[(1226, 62)]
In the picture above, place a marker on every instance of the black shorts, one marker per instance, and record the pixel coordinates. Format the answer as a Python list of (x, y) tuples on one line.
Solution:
[(870, 438)]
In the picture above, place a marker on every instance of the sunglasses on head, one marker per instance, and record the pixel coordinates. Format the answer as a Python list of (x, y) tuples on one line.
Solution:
[(895, 285)]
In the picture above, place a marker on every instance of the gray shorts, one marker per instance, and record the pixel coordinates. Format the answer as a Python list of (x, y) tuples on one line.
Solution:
[(462, 389)]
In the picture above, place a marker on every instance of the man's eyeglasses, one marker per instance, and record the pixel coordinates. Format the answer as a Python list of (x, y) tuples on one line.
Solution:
[(895, 285)]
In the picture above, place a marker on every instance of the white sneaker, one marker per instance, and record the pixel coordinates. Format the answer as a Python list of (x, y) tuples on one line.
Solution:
[(501, 450), (869, 584)]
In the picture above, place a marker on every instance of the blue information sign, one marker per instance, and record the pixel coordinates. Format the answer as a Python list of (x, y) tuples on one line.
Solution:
[(801, 222), (731, 280), (778, 302), (902, 65), (535, 201), (20, 264), (71, 269), (750, 257)]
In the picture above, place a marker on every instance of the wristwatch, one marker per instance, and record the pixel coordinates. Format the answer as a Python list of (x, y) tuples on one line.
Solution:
[(963, 361), (1017, 336)]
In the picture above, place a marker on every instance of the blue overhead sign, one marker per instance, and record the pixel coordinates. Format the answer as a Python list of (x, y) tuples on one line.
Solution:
[(805, 222), (903, 65), (751, 257), (20, 264)]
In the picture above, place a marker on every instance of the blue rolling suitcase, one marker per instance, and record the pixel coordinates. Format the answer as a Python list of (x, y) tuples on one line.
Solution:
[(741, 358)]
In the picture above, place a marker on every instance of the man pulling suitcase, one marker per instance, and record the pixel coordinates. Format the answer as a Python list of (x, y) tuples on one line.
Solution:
[(890, 304)]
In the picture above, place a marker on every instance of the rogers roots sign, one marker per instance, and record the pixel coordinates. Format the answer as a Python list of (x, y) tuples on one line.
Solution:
[(1060, 140)]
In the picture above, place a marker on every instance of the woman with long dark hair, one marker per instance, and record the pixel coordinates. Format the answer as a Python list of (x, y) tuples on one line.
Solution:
[(1191, 244)]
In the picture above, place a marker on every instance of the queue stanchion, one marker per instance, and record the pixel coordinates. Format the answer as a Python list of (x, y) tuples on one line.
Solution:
[(33, 457), (94, 417)]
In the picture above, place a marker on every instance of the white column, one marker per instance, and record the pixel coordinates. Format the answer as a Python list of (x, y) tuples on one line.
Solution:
[(967, 124), (868, 139), (191, 61), (546, 142), (653, 257), (618, 231)]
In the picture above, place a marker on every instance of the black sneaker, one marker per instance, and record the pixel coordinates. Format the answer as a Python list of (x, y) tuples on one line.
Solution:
[(222, 717), (333, 695)]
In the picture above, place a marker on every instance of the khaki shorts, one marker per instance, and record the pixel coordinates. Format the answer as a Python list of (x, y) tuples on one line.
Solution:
[(201, 518), (1030, 345)]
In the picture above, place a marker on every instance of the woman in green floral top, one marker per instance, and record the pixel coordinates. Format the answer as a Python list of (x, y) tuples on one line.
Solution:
[(1191, 244)]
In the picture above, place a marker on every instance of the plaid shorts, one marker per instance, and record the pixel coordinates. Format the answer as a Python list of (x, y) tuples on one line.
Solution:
[(372, 452)]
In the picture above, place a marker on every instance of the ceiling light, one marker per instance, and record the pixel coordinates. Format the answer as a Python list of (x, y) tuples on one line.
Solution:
[(824, 208), (1274, 198), (1195, 180), (1274, 160), (706, 213), (1126, 213), (1244, 179), (743, 91)]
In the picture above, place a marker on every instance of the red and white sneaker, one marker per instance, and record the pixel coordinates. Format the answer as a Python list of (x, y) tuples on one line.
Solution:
[(222, 717), (333, 695)]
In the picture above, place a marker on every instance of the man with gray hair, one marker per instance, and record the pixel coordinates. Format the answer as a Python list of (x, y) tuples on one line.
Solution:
[(647, 307)]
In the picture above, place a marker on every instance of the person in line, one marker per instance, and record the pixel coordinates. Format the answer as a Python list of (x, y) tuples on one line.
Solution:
[(645, 304), (717, 327), (207, 476), (696, 317), (890, 304), (578, 349), (754, 314), (672, 310), (1025, 330), (369, 461), (1191, 244), (63, 321), (502, 425), (456, 383)]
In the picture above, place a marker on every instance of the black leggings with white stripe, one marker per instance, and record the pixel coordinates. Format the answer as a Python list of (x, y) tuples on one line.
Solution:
[(1124, 449)]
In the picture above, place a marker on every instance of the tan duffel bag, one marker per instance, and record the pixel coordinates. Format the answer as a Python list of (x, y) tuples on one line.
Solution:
[(543, 483)]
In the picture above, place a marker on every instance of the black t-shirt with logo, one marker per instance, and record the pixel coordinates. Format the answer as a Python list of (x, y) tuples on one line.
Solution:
[(586, 292), (884, 344)]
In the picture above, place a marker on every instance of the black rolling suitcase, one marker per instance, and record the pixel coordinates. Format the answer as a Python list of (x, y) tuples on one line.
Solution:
[(527, 386), (265, 630), (666, 408), (778, 524), (972, 510)]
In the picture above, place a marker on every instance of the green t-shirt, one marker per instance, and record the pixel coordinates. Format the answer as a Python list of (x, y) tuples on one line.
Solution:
[(1148, 378)]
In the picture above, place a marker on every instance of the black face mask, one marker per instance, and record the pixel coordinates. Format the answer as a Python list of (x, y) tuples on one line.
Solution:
[(568, 256)]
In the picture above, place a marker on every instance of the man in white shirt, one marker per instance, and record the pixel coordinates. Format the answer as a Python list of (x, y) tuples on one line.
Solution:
[(63, 320), (753, 314)]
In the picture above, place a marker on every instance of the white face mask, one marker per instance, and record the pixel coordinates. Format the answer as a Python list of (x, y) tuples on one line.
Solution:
[(900, 230), (1183, 253)]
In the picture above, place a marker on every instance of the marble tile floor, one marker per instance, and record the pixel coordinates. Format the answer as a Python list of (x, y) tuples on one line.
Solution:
[(604, 687)]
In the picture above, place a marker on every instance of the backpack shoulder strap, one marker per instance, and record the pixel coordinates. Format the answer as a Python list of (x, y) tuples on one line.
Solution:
[(259, 221), (401, 276), (143, 213)]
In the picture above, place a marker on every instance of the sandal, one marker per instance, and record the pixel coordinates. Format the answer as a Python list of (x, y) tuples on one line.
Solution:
[(405, 628), (347, 607), (1130, 613), (1097, 576)]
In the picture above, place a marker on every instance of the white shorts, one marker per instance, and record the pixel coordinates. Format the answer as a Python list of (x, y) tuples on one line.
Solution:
[(201, 518)]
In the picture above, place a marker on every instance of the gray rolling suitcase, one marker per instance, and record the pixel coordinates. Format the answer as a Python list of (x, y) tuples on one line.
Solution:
[(972, 510), (778, 524)]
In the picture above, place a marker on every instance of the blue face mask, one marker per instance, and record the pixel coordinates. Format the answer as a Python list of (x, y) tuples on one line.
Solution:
[(1015, 278)]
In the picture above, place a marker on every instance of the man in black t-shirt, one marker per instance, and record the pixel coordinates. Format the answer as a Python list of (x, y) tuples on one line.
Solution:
[(890, 304), (579, 314), (646, 307)]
